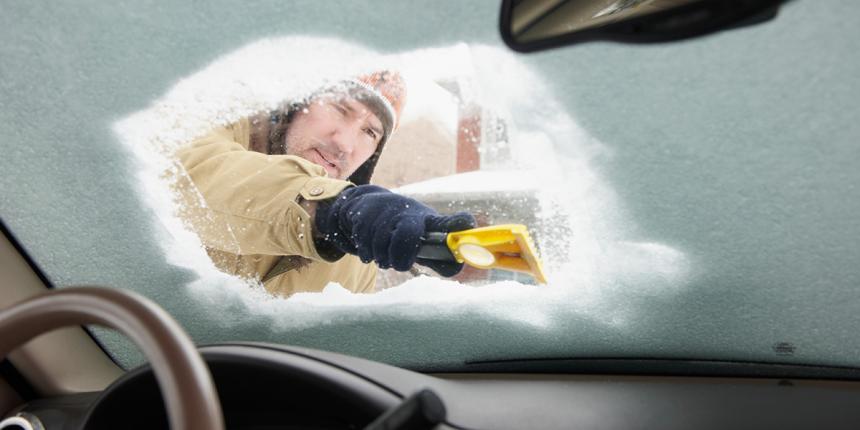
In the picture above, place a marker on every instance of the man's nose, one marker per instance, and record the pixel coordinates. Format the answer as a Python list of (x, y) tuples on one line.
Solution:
[(345, 136)]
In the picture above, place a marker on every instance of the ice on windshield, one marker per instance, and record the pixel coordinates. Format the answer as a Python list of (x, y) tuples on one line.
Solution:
[(544, 173)]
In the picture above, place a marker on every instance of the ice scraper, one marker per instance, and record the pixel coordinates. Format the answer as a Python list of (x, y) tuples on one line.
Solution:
[(506, 247)]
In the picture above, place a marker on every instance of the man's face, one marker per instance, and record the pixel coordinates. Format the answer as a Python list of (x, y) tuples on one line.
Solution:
[(338, 133)]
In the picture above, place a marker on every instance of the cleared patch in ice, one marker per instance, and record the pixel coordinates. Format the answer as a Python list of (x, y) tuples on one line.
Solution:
[(592, 262)]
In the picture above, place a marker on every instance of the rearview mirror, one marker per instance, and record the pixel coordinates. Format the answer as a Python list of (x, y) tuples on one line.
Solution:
[(534, 25)]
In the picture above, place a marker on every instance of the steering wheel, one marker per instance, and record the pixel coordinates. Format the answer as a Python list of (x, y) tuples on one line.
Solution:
[(184, 379)]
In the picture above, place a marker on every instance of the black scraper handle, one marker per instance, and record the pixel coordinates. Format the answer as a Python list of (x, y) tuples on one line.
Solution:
[(434, 246)]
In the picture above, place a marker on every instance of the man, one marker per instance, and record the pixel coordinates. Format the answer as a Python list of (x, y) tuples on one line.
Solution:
[(284, 197)]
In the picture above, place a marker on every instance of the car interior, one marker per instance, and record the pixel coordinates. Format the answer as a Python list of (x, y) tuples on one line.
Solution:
[(56, 374), (62, 379)]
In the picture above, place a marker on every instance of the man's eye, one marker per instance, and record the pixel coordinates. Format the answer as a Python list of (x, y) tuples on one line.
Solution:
[(339, 108), (370, 132)]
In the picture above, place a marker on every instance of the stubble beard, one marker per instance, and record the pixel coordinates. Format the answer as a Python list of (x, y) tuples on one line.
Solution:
[(304, 147)]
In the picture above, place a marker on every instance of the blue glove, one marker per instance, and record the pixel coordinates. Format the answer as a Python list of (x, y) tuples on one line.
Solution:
[(378, 225)]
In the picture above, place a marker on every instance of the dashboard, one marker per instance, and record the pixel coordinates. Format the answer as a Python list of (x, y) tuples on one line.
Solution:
[(264, 386)]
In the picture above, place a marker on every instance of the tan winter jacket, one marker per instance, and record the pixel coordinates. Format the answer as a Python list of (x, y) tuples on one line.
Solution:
[(246, 208)]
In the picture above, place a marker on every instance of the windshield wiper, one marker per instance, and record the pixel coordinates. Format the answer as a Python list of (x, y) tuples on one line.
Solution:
[(664, 366)]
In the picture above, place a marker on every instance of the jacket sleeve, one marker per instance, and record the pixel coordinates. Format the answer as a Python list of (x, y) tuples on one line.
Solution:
[(245, 202)]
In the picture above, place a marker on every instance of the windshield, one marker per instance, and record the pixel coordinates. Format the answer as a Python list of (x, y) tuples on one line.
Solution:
[(695, 200)]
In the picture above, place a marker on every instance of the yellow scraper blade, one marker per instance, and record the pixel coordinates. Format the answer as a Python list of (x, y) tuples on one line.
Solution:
[(506, 246)]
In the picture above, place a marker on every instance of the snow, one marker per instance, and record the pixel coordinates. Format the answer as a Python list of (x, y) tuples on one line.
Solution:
[(593, 255), (480, 181)]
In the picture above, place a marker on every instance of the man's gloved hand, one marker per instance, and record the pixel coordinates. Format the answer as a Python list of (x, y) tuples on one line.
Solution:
[(378, 225)]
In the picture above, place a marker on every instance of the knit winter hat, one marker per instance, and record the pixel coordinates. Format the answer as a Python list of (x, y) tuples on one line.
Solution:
[(384, 93)]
